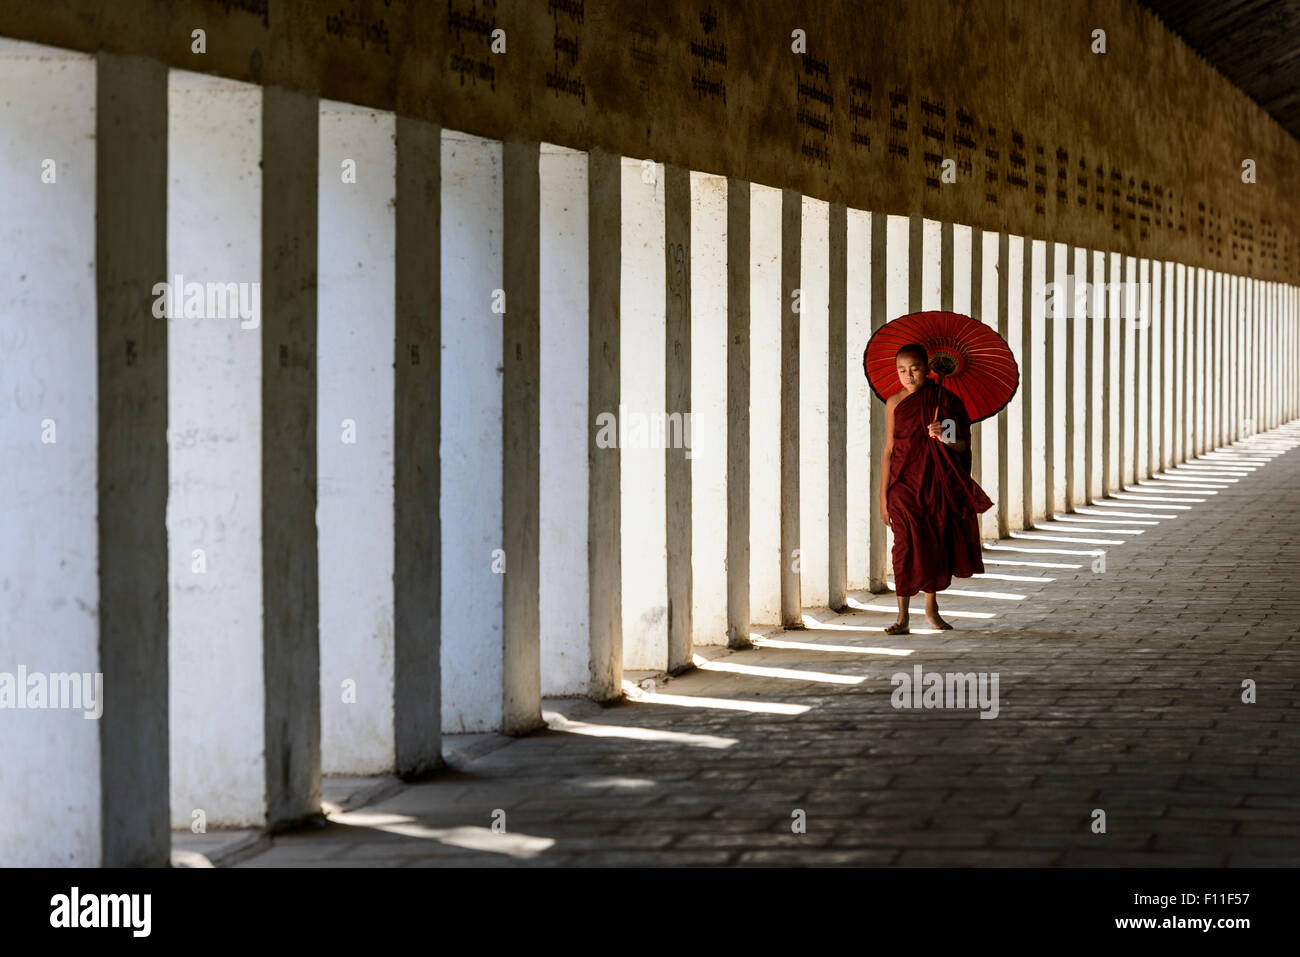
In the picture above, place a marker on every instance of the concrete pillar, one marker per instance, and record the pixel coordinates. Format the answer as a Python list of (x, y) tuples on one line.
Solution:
[(986, 282), (474, 558), (1197, 416), (764, 411), (1127, 434), (1095, 335), (214, 238), (521, 436), (1011, 326), (1166, 361), (813, 344), (355, 441), (644, 330), (290, 587), (1215, 390), (708, 408), (417, 436), (1233, 357), (1209, 372), (1077, 395), (739, 427), (1182, 311), (860, 403), (1035, 411), (791, 257), (959, 284), (604, 213), (1112, 397), (564, 602), (839, 364), (83, 435), (878, 557), (677, 391), (131, 119), (1057, 350), (905, 264), (1149, 421)]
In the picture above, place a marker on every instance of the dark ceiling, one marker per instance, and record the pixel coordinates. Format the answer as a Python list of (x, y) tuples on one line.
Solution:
[(1254, 43)]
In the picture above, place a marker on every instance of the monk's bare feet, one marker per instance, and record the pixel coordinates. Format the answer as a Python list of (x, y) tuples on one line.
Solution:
[(932, 613), (898, 628)]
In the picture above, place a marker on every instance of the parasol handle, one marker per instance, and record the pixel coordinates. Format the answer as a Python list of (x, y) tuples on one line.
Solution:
[(936, 403)]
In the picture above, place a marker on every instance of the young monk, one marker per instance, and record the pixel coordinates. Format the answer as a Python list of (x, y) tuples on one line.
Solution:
[(928, 497)]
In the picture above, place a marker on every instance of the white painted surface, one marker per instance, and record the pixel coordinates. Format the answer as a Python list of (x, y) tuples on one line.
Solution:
[(1098, 304), (962, 237), (1078, 359), (897, 294), (1131, 304), (565, 612), (49, 614), (861, 401), (709, 407), (1113, 381), (990, 428), (1057, 329), (765, 406), (1036, 445), (1155, 363), (931, 265), (814, 463), (471, 434), (217, 693), (645, 554), (354, 439), (1017, 441)]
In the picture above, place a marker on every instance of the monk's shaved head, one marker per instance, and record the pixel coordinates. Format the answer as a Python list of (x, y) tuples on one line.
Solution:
[(916, 351)]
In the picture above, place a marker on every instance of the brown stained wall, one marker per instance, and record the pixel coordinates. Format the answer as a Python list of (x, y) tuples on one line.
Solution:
[(1008, 88)]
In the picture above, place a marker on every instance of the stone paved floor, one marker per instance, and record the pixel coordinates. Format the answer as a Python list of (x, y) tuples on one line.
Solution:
[(1119, 690)]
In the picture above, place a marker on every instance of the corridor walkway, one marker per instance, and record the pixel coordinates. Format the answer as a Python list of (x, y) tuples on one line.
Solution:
[(1120, 690)]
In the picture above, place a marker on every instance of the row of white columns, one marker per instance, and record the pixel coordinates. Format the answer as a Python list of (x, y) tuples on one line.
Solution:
[(389, 506)]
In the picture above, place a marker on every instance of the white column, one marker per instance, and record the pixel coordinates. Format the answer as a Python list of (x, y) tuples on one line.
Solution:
[(564, 422), (1167, 360), (214, 215), (51, 790), (1057, 438), (992, 429), (1079, 395), (1130, 304), (897, 303), (765, 405), (1198, 325), (1095, 380), (472, 558), (355, 290), (814, 284), (1148, 384), (1113, 394), (1035, 471), (708, 431), (862, 403), (1018, 443), (645, 590)]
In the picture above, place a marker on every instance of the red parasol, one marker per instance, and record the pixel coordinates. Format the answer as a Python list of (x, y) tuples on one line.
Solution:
[(966, 356)]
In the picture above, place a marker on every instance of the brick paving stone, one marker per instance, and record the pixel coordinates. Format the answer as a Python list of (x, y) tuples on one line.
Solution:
[(1118, 690)]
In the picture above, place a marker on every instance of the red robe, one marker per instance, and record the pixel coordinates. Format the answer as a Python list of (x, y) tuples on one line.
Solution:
[(933, 502)]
